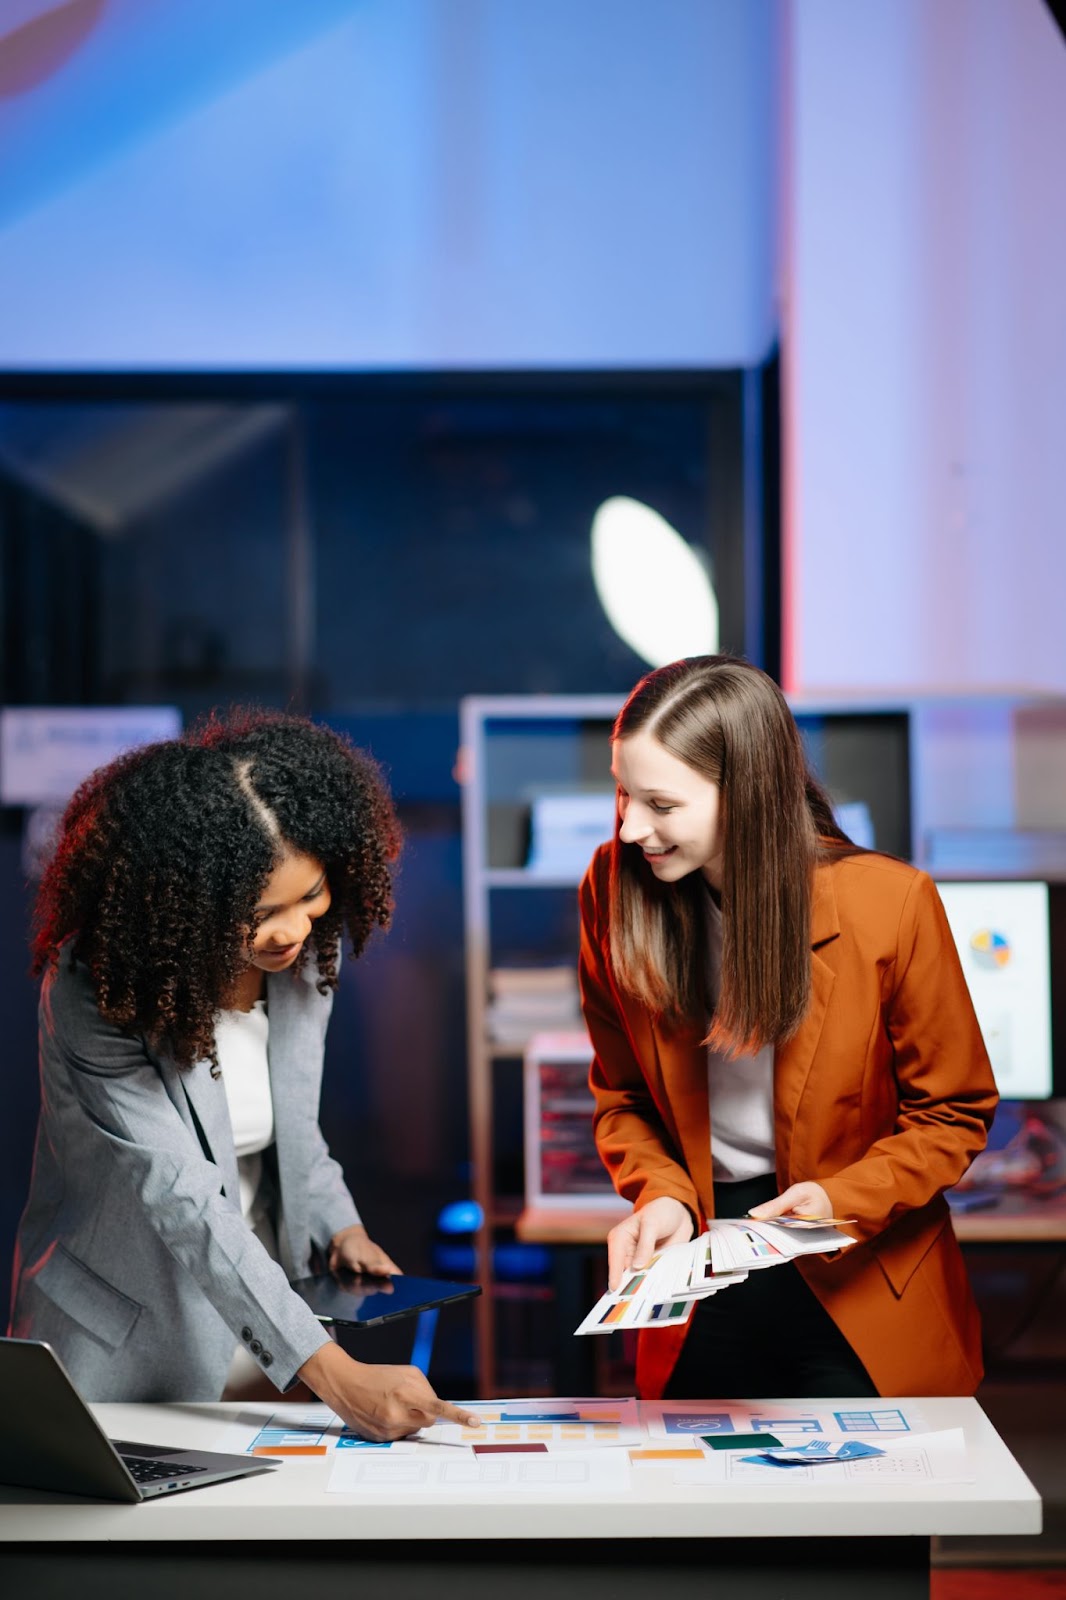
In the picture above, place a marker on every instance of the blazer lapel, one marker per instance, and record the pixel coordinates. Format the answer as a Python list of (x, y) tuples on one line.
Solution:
[(683, 1066), (210, 1109), (292, 1095), (794, 1058)]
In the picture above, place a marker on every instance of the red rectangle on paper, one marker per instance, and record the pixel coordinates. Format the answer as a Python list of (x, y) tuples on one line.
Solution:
[(510, 1449)]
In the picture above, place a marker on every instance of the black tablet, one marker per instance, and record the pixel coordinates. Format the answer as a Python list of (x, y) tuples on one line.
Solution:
[(360, 1301)]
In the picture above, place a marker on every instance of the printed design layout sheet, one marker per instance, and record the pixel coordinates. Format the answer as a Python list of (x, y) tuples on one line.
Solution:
[(523, 1445), (671, 1419), (881, 1442), (574, 1445), (263, 1430), (924, 1458), (552, 1424), (448, 1469)]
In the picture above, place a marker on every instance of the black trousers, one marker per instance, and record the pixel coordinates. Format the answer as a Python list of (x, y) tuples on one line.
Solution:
[(766, 1337)]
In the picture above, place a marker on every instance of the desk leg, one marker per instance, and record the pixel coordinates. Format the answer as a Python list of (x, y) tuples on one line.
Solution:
[(719, 1569)]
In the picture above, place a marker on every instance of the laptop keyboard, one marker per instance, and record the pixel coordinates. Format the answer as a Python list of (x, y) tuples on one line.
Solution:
[(142, 1471)]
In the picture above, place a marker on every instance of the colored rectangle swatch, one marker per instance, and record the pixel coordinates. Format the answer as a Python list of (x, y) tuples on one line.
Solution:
[(510, 1449), (288, 1450), (740, 1441), (666, 1455)]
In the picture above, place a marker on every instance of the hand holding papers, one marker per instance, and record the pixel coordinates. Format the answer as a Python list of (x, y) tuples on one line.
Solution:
[(663, 1293)]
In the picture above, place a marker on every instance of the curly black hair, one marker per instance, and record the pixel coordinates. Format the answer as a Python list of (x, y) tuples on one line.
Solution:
[(164, 854)]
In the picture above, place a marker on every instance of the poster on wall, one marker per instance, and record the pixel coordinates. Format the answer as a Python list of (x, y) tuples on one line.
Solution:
[(47, 751)]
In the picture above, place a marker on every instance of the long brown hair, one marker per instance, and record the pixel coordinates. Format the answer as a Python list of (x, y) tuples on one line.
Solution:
[(729, 722)]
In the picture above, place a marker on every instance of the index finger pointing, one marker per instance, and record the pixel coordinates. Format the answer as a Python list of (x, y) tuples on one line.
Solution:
[(446, 1412)]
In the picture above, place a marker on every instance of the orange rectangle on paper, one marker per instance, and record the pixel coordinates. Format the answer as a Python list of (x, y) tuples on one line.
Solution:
[(290, 1450), (666, 1455)]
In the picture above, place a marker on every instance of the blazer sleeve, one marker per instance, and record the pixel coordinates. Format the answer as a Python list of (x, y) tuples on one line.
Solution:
[(946, 1092), (135, 1126), (331, 1205), (631, 1136)]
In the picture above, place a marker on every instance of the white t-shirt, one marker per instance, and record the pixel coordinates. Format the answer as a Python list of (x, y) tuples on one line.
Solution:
[(241, 1042), (741, 1091)]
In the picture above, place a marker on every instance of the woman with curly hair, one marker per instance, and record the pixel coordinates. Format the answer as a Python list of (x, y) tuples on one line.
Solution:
[(781, 1027), (189, 932)]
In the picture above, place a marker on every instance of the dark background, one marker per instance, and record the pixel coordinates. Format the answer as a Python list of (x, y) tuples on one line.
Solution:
[(368, 551)]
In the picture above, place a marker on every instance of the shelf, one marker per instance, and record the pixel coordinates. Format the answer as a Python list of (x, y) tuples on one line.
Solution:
[(506, 1210), (523, 878), (570, 1224), (516, 748)]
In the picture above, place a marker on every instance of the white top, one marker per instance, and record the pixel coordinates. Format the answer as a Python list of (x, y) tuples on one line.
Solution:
[(241, 1042), (741, 1090)]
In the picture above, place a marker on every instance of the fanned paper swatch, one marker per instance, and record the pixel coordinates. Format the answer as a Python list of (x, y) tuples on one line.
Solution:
[(663, 1293)]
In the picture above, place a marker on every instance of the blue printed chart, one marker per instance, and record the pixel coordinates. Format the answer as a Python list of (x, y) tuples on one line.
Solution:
[(296, 1431), (678, 1417)]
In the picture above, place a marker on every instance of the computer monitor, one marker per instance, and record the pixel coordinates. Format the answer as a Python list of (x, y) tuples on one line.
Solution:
[(862, 759), (1011, 939)]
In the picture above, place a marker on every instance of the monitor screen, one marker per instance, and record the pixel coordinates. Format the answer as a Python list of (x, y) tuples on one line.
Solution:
[(1007, 939), (862, 759)]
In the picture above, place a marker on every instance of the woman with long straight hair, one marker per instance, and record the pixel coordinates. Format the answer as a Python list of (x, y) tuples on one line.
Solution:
[(781, 1026)]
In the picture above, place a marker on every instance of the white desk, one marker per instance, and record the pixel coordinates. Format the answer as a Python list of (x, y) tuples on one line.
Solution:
[(277, 1531)]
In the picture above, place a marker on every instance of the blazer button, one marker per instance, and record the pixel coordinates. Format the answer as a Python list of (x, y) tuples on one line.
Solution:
[(246, 1335), (256, 1348), (265, 1359)]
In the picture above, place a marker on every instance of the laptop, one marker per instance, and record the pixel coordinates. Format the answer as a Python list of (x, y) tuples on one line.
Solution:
[(49, 1439), (357, 1300)]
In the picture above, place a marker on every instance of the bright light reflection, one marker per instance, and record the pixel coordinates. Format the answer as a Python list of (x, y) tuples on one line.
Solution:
[(653, 586)]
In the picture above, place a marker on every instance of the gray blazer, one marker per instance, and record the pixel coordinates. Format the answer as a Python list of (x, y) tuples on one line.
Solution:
[(133, 1259)]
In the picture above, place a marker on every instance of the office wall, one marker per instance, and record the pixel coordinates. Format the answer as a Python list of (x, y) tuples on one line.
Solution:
[(397, 183), (448, 553), (924, 286)]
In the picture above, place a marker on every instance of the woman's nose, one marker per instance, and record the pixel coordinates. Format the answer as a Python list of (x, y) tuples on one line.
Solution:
[(632, 829), (295, 928)]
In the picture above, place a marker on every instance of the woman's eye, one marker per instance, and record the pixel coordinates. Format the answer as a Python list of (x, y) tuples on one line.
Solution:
[(662, 810)]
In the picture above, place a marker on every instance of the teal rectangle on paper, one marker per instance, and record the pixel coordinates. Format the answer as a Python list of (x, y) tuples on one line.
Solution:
[(740, 1441)]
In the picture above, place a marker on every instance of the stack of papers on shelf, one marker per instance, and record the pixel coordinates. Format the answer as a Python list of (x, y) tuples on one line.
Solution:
[(664, 1292), (525, 1000)]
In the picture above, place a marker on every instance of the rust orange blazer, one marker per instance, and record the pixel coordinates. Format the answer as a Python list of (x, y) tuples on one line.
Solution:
[(884, 1096)]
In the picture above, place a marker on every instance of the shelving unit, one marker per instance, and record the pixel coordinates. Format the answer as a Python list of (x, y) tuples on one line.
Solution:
[(514, 748)]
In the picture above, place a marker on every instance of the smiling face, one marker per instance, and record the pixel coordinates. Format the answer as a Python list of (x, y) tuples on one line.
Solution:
[(667, 808), (295, 894)]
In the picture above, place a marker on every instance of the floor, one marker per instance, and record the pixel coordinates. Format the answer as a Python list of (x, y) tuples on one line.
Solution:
[(1007, 1583)]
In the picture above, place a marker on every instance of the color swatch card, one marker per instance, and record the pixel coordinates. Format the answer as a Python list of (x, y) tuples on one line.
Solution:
[(663, 1293), (740, 1244)]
